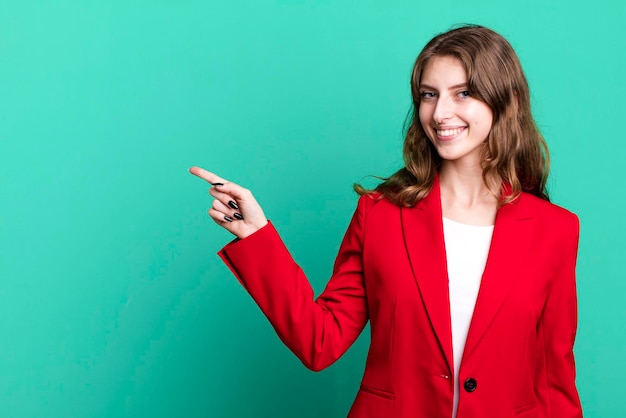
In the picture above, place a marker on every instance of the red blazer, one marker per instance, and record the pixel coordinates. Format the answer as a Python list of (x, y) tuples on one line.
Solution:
[(391, 270)]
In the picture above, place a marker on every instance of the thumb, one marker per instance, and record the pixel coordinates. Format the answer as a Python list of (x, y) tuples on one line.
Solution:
[(240, 194)]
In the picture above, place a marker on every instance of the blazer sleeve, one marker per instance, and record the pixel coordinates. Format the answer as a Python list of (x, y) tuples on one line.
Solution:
[(557, 332), (318, 331)]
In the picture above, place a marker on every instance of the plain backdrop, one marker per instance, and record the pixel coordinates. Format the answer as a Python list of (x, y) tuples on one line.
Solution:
[(112, 300)]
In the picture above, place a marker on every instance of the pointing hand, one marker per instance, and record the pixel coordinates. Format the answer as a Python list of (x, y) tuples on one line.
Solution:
[(234, 207)]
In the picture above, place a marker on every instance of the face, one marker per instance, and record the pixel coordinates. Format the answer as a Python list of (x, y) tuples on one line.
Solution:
[(455, 122)]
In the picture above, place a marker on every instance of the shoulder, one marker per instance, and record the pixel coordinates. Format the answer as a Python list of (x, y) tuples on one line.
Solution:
[(375, 201), (375, 209), (552, 217), (543, 207)]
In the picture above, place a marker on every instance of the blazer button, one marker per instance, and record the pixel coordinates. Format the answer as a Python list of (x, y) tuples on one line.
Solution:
[(470, 385)]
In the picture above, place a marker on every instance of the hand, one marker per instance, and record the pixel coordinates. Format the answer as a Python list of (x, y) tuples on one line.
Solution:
[(234, 207)]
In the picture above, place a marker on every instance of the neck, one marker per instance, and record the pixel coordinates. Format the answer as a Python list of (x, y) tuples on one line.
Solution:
[(465, 196), (464, 184)]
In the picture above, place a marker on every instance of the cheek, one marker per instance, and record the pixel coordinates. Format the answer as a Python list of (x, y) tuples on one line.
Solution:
[(482, 119), (424, 116), (482, 129)]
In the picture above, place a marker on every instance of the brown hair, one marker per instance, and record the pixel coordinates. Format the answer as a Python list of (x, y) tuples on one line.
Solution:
[(514, 152)]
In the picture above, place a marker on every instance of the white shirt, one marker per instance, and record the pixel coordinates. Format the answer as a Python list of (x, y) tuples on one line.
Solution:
[(467, 247)]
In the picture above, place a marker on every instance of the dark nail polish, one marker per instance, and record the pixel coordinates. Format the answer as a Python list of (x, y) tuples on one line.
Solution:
[(217, 184), (228, 218), (237, 215), (233, 205)]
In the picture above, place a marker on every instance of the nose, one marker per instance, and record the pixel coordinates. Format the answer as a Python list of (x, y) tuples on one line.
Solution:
[(443, 109)]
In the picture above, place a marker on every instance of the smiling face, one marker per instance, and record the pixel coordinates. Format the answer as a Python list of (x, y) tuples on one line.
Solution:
[(455, 122)]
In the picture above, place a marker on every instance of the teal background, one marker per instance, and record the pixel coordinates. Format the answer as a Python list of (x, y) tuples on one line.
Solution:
[(112, 300)]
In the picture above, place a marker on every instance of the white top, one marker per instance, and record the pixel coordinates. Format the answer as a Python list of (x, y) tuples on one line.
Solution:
[(467, 247)]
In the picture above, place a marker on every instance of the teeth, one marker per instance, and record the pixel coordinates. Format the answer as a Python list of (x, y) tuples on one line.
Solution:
[(449, 132)]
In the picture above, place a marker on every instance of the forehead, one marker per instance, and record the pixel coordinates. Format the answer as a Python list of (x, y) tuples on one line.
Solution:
[(443, 71)]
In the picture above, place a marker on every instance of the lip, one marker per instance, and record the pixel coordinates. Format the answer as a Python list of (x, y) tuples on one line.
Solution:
[(452, 132)]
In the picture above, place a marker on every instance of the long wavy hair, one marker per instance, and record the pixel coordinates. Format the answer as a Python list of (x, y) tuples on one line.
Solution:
[(514, 153)]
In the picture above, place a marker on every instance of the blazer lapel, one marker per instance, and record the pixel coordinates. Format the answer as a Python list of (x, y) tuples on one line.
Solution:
[(423, 236), (510, 243)]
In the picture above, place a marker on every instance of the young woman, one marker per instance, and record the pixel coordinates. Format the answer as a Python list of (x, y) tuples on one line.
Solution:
[(461, 264)]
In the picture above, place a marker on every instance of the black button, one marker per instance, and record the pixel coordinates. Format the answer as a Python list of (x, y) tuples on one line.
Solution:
[(470, 385)]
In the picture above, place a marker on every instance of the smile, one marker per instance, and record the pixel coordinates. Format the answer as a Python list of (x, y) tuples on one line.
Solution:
[(449, 133)]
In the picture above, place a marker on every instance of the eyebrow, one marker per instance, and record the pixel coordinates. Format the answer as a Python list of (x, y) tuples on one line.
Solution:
[(456, 86)]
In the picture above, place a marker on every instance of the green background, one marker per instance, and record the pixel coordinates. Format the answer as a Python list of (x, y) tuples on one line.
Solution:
[(112, 300)]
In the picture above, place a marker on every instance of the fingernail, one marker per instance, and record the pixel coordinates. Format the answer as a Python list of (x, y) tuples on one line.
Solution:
[(237, 215), (233, 205), (217, 184), (228, 218)]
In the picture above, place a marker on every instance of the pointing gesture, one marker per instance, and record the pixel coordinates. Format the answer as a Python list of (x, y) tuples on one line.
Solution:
[(234, 208)]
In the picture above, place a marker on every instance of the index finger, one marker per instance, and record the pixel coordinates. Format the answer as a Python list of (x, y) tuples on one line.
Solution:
[(212, 178)]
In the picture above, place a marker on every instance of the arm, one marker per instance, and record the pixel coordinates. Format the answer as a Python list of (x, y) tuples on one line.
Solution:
[(317, 331), (557, 332)]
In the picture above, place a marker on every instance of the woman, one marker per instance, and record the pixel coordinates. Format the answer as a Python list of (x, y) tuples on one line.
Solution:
[(461, 264)]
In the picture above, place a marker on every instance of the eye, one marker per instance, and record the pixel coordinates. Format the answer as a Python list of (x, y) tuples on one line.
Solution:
[(464, 93), (427, 95)]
